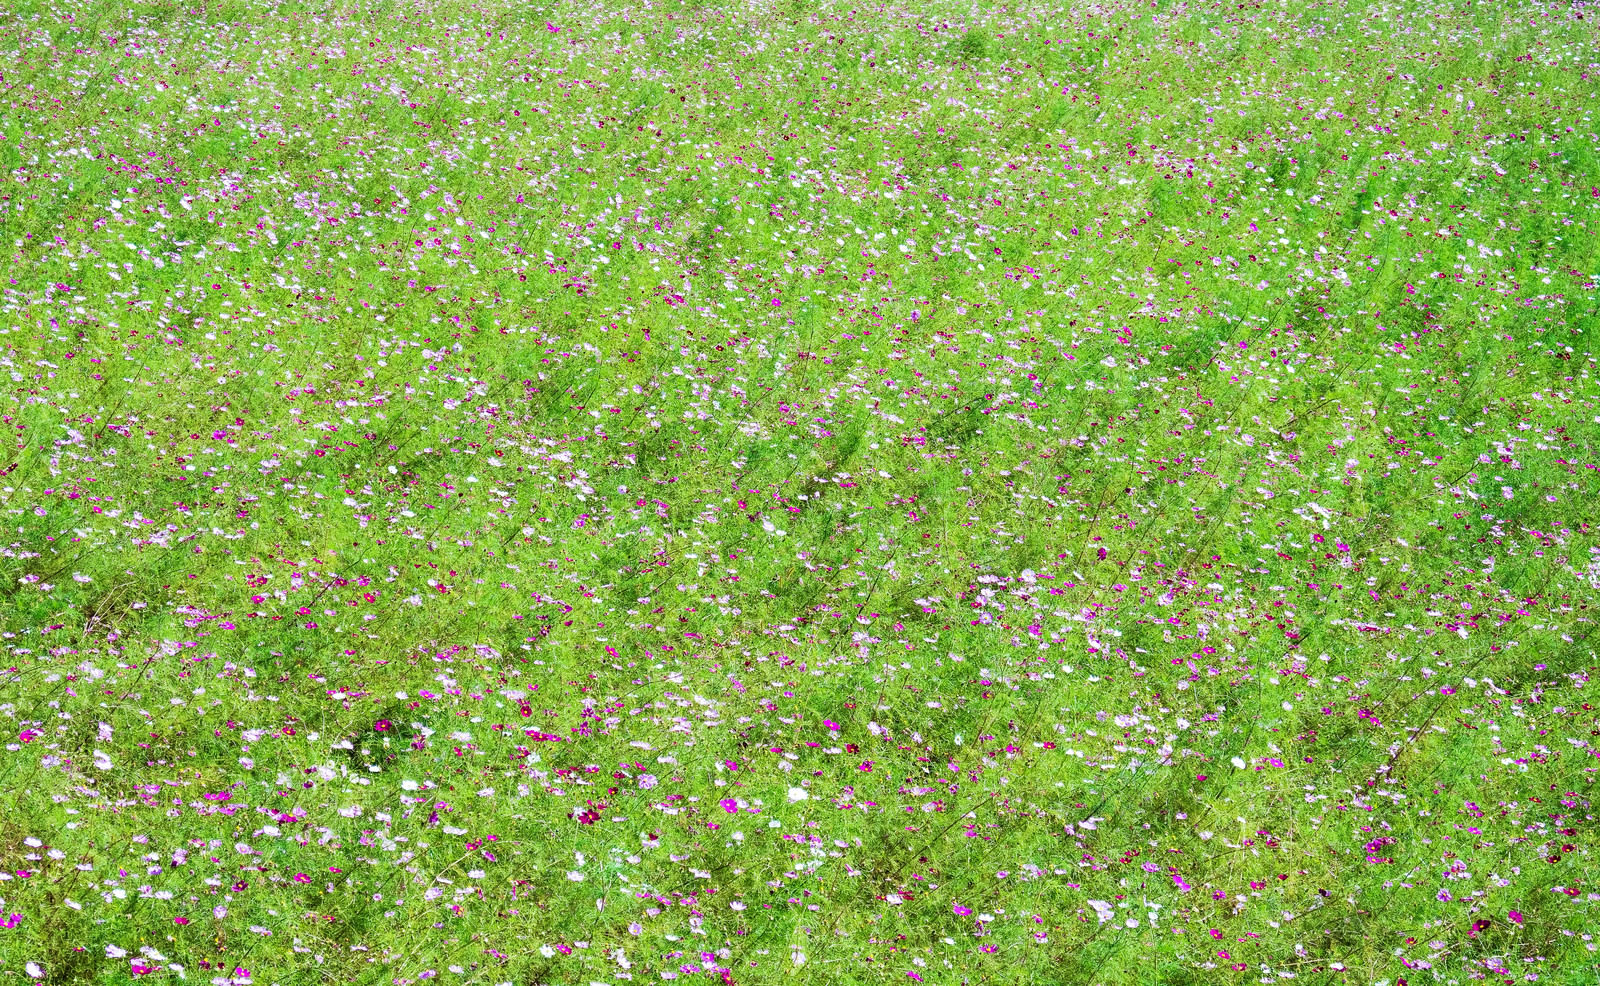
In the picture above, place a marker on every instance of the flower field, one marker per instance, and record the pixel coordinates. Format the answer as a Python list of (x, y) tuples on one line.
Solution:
[(933, 493)]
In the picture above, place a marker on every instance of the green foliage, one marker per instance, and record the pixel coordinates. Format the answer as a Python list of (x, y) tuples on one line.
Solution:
[(805, 492)]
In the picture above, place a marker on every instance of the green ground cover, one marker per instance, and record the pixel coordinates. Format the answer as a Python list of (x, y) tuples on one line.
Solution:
[(922, 493)]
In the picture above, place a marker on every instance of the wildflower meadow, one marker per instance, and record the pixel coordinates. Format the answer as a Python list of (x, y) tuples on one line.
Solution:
[(799, 491)]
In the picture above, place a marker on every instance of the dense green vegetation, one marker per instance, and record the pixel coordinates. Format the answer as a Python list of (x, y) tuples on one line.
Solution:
[(923, 493)]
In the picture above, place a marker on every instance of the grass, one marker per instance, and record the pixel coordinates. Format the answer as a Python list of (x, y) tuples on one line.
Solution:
[(934, 493)]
